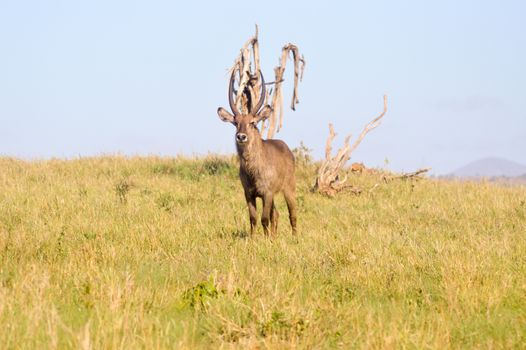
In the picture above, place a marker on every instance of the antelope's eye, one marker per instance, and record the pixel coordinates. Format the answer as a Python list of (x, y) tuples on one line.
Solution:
[(254, 124)]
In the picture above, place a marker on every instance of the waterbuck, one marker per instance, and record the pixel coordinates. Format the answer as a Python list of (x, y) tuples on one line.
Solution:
[(266, 166)]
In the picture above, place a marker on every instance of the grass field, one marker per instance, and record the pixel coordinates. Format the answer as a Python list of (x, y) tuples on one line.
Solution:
[(116, 252)]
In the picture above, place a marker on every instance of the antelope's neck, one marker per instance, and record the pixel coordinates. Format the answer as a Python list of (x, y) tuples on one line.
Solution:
[(252, 156)]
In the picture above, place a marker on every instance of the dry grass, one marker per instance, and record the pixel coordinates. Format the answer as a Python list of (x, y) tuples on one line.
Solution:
[(117, 252)]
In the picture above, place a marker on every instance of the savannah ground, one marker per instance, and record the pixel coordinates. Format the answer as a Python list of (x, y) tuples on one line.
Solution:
[(116, 252)]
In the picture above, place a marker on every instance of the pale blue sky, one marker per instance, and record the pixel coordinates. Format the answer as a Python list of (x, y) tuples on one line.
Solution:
[(82, 78)]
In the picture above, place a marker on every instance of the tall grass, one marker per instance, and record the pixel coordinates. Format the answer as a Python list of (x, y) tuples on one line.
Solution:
[(116, 252)]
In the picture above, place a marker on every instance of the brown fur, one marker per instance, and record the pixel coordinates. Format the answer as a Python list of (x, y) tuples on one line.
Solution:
[(266, 168)]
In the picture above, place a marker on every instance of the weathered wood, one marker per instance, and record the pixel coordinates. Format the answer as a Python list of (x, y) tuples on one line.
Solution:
[(328, 180), (246, 68)]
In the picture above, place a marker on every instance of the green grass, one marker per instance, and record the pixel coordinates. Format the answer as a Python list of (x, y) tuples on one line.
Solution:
[(117, 252)]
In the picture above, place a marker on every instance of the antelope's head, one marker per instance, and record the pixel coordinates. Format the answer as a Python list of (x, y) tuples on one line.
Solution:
[(246, 124)]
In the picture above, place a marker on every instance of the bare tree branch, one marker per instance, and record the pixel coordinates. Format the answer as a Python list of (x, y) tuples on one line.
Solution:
[(328, 181), (414, 175), (372, 125), (277, 98), (249, 87)]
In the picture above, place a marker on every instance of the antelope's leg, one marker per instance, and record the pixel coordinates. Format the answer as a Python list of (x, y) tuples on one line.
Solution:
[(290, 198), (252, 211), (267, 209), (274, 217)]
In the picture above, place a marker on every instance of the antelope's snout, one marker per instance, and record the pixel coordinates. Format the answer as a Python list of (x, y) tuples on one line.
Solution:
[(241, 137)]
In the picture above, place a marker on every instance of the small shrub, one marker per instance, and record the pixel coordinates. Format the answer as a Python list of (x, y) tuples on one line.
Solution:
[(86, 296), (181, 169), (302, 155), (278, 324), (199, 295), (343, 294), (83, 191), (166, 201), (121, 189), (164, 169), (60, 242), (216, 166), (195, 170)]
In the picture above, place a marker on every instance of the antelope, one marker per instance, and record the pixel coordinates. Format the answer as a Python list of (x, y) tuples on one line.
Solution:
[(266, 167)]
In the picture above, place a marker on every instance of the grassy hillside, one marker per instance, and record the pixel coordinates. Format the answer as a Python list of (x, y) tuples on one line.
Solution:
[(117, 252)]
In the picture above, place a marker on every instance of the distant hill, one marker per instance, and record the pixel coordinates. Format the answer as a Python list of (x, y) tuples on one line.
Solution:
[(491, 167)]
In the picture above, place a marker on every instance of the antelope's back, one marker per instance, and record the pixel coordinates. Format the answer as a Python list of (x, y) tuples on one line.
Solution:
[(281, 156)]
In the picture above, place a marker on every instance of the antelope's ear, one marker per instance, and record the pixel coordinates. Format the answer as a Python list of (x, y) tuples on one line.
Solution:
[(224, 115), (264, 113)]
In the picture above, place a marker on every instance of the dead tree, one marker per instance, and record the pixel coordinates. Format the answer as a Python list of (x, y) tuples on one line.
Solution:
[(246, 69), (328, 180), (413, 175)]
